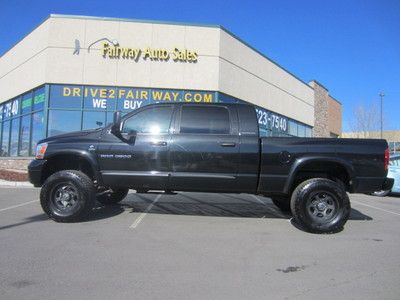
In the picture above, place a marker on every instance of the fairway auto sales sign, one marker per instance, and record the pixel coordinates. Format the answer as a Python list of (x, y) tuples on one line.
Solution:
[(159, 54), (126, 98)]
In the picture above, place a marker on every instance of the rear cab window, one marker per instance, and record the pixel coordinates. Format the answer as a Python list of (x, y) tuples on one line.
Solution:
[(205, 120)]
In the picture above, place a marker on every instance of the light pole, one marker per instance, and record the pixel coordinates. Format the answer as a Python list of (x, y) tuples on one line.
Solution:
[(382, 95)]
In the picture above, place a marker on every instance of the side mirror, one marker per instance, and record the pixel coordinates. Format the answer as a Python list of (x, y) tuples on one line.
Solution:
[(129, 137), (115, 128)]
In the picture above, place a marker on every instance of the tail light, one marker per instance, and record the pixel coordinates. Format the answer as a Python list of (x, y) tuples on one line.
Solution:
[(386, 159)]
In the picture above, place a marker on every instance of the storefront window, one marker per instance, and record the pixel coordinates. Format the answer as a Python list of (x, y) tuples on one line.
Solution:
[(1, 113), (14, 137), (66, 96), (93, 119), (301, 131), (11, 109), (110, 117), (308, 132), (39, 98), (132, 98), (37, 129), (26, 103), (293, 128), (25, 135), (5, 139), (104, 98), (63, 121)]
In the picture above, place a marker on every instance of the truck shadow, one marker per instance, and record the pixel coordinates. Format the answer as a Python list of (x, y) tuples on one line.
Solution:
[(28, 220), (215, 205)]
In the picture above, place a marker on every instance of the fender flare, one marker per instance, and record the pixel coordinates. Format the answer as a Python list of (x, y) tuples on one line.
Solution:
[(85, 155), (301, 162)]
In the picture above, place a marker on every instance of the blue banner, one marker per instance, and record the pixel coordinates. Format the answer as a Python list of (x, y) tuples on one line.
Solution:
[(120, 98)]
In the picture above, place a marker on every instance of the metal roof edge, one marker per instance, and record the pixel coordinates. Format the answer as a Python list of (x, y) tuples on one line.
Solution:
[(133, 20)]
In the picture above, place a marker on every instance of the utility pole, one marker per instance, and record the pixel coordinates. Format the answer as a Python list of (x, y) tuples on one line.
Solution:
[(382, 95)]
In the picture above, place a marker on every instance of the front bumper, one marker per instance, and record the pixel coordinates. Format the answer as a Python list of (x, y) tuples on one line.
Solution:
[(35, 171)]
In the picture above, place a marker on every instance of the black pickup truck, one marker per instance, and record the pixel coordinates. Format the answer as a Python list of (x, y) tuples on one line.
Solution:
[(206, 148)]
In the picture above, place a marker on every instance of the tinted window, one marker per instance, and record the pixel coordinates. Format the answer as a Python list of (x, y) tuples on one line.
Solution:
[(37, 129), (205, 120), (14, 137), (152, 120), (38, 99), (63, 121), (68, 96), (26, 103), (93, 119), (5, 136), (99, 97), (24, 135)]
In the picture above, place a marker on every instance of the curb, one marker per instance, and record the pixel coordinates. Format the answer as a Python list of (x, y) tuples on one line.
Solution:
[(25, 184)]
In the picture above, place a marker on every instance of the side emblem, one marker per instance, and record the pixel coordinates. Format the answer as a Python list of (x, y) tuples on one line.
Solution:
[(92, 148)]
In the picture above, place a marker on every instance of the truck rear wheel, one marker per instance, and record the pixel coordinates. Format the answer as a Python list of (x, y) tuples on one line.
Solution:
[(112, 196), (320, 205), (282, 202), (67, 196)]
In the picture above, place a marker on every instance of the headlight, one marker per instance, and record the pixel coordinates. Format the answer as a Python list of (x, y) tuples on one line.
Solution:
[(40, 150)]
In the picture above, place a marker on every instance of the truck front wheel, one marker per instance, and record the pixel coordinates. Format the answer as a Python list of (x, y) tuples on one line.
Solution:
[(112, 196), (67, 196), (320, 205)]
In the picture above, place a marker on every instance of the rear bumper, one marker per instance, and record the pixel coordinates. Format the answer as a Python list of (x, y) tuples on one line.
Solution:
[(372, 184), (35, 171)]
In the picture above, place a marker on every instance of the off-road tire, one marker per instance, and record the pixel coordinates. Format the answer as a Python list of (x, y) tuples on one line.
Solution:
[(327, 217), (112, 196), (282, 202), (78, 186)]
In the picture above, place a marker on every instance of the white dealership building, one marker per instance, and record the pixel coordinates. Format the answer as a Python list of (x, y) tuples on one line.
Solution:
[(72, 72)]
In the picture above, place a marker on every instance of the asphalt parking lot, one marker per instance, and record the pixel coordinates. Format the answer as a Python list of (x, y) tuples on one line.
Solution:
[(196, 246)]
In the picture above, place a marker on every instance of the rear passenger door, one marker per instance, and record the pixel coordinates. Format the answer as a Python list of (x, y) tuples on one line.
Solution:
[(205, 148)]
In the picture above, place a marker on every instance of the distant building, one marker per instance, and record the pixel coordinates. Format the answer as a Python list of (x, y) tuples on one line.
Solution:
[(392, 137)]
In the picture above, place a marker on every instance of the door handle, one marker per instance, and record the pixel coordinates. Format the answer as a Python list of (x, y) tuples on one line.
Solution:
[(158, 143), (227, 144)]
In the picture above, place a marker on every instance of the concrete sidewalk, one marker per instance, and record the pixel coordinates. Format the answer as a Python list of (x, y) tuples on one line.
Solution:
[(6, 183)]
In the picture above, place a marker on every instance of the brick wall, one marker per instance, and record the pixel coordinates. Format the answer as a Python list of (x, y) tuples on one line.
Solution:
[(320, 110), (327, 112), (15, 164), (334, 116)]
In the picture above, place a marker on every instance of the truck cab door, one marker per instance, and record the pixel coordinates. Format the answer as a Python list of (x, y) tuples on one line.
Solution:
[(205, 149), (143, 161)]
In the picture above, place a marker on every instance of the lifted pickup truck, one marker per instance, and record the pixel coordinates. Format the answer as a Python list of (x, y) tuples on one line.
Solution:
[(206, 148)]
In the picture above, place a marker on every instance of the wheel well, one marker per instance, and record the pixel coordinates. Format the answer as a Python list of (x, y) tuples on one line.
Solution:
[(67, 162), (329, 170)]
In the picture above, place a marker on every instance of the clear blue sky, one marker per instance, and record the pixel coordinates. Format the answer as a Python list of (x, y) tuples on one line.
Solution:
[(352, 47)]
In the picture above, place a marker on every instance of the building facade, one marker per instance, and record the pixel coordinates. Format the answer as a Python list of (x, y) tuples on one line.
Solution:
[(72, 72)]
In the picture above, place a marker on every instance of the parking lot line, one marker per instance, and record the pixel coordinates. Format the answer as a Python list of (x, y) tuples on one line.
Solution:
[(143, 214), (15, 206), (378, 208)]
